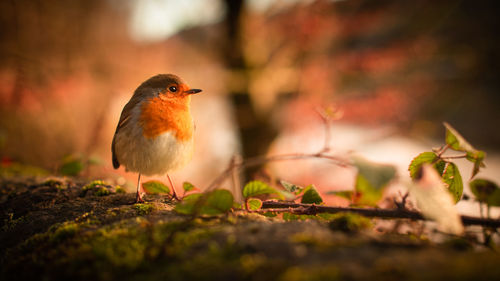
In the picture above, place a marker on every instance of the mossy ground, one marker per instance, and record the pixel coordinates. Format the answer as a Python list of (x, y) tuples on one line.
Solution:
[(56, 229)]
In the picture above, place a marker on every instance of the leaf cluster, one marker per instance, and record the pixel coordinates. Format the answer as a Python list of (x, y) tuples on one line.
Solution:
[(371, 181), (448, 169)]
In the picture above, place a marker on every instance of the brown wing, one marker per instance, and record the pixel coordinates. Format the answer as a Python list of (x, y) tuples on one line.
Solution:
[(148, 88), (124, 119)]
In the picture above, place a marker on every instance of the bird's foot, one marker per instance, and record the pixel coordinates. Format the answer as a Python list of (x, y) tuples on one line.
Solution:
[(138, 198), (174, 196)]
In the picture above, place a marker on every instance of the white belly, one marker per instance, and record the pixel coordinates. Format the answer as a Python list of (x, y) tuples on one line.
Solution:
[(151, 156)]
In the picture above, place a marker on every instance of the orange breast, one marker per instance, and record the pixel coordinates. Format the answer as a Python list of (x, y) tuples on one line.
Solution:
[(162, 115)]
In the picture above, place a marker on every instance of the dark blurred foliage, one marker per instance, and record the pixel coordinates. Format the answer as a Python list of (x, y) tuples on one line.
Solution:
[(55, 74), (411, 64), (256, 131)]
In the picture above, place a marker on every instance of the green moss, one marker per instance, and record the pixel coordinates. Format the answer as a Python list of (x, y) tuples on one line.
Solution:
[(306, 239), (98, 188), (252, 262), (64, 231), (55, 183), (102, 191), (94, 184), (119, 247), (10, 222), (311, 273), (348, 222), (148, 248), (143, 208), (87, 219), (458, 243), (207, 265), (131, 244), (54, 235), (185, 239), (60, 232), (114, 211), (120, 189), (33, 241)]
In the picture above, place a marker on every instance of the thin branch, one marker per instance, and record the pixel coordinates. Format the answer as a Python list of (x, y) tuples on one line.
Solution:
[(311, 209), (401, 205), (235, 176), (326, 121), (454, 156), (255, 161), (442, 150)]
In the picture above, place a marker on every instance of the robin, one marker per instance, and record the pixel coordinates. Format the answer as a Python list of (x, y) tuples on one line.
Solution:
[(155, 131)]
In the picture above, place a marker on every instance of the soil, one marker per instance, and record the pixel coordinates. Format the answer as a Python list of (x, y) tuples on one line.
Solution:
[(61, 228)]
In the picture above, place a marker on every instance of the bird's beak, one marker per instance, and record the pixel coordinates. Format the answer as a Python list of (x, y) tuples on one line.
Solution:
[(192, 91)]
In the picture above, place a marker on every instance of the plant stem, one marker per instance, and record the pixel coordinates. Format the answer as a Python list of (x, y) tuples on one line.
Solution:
[(454, 157), (311, 209), (443, 150), (255, 161)]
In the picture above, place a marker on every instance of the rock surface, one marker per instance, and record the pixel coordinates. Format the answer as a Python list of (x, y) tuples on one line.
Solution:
[(65, 228)]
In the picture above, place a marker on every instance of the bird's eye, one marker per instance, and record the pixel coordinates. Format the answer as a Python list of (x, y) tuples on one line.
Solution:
[(172, 89)]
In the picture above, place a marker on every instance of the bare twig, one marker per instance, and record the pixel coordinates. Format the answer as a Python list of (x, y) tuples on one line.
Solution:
[(311, 209), (328, 115), (454, 156), (235, 176), (255, 161), (442, 150), (326, 121), (402, 204)]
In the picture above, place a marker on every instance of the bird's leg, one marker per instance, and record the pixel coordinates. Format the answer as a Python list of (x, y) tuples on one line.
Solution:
[(138, 198), (174, 194)]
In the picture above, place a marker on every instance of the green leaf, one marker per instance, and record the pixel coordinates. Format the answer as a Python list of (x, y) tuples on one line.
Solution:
[(377, 175), (448, 171), (423, 158), (236, 205), (478, 160), (255, 188), (435, 201), (290, 187), (347, 194), (485, 191), (95, 160), (348, 222), (439, 166), (293, 217), (186, 206), (290, 217), (311, 196), (458, 142), (285, 195), (366, 193), (187, 186), (219, 201), (269, 214), (254, 204), (71, 166), (371, 180), (326, 216), (455, 140), (417, 162), (216, 202), (453, 180), (155, 187)]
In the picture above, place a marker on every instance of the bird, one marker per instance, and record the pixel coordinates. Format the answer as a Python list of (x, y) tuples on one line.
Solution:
[(154, 135)]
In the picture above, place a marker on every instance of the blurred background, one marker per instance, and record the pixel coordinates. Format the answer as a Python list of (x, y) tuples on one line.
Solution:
[(394, 69)]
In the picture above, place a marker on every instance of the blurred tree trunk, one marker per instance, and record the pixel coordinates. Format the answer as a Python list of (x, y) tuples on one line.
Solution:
[(256, 132)]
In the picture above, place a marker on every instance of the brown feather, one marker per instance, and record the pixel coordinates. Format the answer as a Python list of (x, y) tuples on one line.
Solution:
[(148, 88), (124, 118)]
